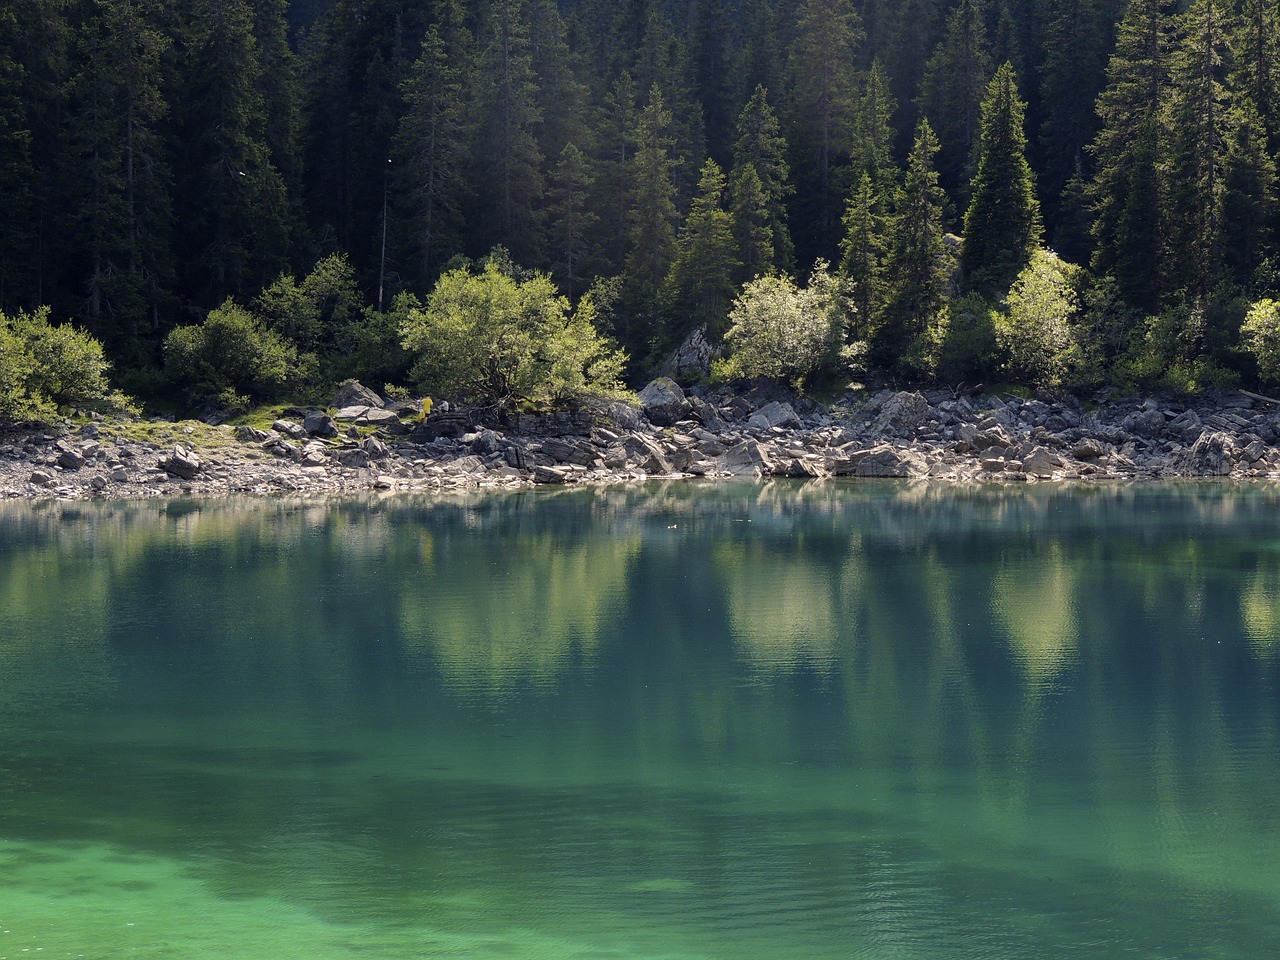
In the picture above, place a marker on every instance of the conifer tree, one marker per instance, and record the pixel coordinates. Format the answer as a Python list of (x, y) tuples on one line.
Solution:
[(1250, 201), (662, 59), (701, 285), (1071, 78), (864, 249), (916, 271), (761, 147), (1255, 58), (1002, 225), (748, 206), (508, 160), (1197, 152), (231, 199), (1125, 188), (17, 171), (951, 93), (651, 224), (431, 152), (571, 220), (823, 107), (124, 204), (614, 145)]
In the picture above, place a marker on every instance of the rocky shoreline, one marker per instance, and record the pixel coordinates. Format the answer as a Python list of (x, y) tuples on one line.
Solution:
[(361, 443)]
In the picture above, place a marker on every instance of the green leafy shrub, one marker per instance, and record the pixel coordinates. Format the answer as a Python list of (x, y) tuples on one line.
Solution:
[(44, 366), (782, 332), (234, 356), (1035, 331), (1261, 337), (958, 342), (494, 338)]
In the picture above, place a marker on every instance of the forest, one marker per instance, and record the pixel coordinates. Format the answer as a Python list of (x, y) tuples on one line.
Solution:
[(240, 199)]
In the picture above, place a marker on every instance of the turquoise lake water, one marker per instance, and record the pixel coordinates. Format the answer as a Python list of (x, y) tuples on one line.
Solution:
[(663, 723)]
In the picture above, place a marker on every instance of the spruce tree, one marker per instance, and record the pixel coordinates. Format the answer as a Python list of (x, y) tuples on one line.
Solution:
[(508, 171), (17, 172), (701, 285), (571, 220), (1072, 76), (124, 200), (748, 206), (823, 107), (951, 93), (430, 155), (1002, 225), (231, 199), (864, 249), (1249, 202), (612, 194), (1255, 57), (761, 147), (1125, 188), (916, 272), (1196, 156), (652, 216)]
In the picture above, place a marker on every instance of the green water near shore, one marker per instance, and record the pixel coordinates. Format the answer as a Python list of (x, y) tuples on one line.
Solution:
[(779, 721)]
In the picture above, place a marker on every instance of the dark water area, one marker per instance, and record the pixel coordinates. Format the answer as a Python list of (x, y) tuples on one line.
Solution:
[(677, 722)]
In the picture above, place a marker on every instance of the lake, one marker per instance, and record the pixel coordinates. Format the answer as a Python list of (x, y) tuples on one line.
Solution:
[(671, 722)]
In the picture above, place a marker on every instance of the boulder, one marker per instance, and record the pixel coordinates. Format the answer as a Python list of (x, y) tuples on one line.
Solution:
[(42, 478), (746, 459), (355, 394), (550, 475), (663, 402), (71, 460), (1213, 455), (773, 415), (1087, 448), (883, 460), (650, 457), (580, 452), (181, 463), (319, 424), (375, 448), (290, 429), (1041, 462), (694, 356), (252, 435), (902, 412), (353, 458)]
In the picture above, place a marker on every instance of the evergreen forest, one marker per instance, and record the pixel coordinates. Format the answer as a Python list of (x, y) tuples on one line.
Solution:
[(243, 199)]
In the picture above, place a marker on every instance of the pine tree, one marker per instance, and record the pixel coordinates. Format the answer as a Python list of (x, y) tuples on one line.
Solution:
[(1002, 225), (663, 59), (713, 75), (561, 97), (509, 161), (916, 269), (761, 147), (231, 199), (431, 153), (17, 171), (1249, 201), (1255, 56), (701, 285), (1125, 188), (571, 220), (749, 208), (613, 163), (124, 204), (951, 93), (1197, 153), (864, 249), (651, 223), (873, 151), (1071, 78), (823, 107)]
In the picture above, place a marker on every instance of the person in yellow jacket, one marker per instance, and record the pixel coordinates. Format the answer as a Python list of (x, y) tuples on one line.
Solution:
[(426, 407)]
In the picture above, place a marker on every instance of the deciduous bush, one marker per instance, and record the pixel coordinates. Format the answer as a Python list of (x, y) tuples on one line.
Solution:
[(491, 337), (44, 366), (782, 332), (1035, 331), (1260, 335), (232, 357)]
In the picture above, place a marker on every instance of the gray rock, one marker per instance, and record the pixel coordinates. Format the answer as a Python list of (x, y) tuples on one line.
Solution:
[(181, 463), (694, 356), (902, 412), (320, 424), (747, 458), (1041, 462), (1213, 455), (773, 415), (486, 442), (707, 415), (290, 429), (1087, 448), (663, 402), (352, 412), (71, 460), (882, 460), (355, 394), (567, 451), (353, 458), (42, 478), (375, 448), (252, 435), (550, 475), (375, 417), (650, 457)]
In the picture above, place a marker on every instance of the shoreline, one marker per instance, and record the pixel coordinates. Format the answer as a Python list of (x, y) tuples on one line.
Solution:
[(361, 444)]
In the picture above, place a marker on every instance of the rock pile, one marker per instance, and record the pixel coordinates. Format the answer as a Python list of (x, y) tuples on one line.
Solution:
[(363, 443)]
